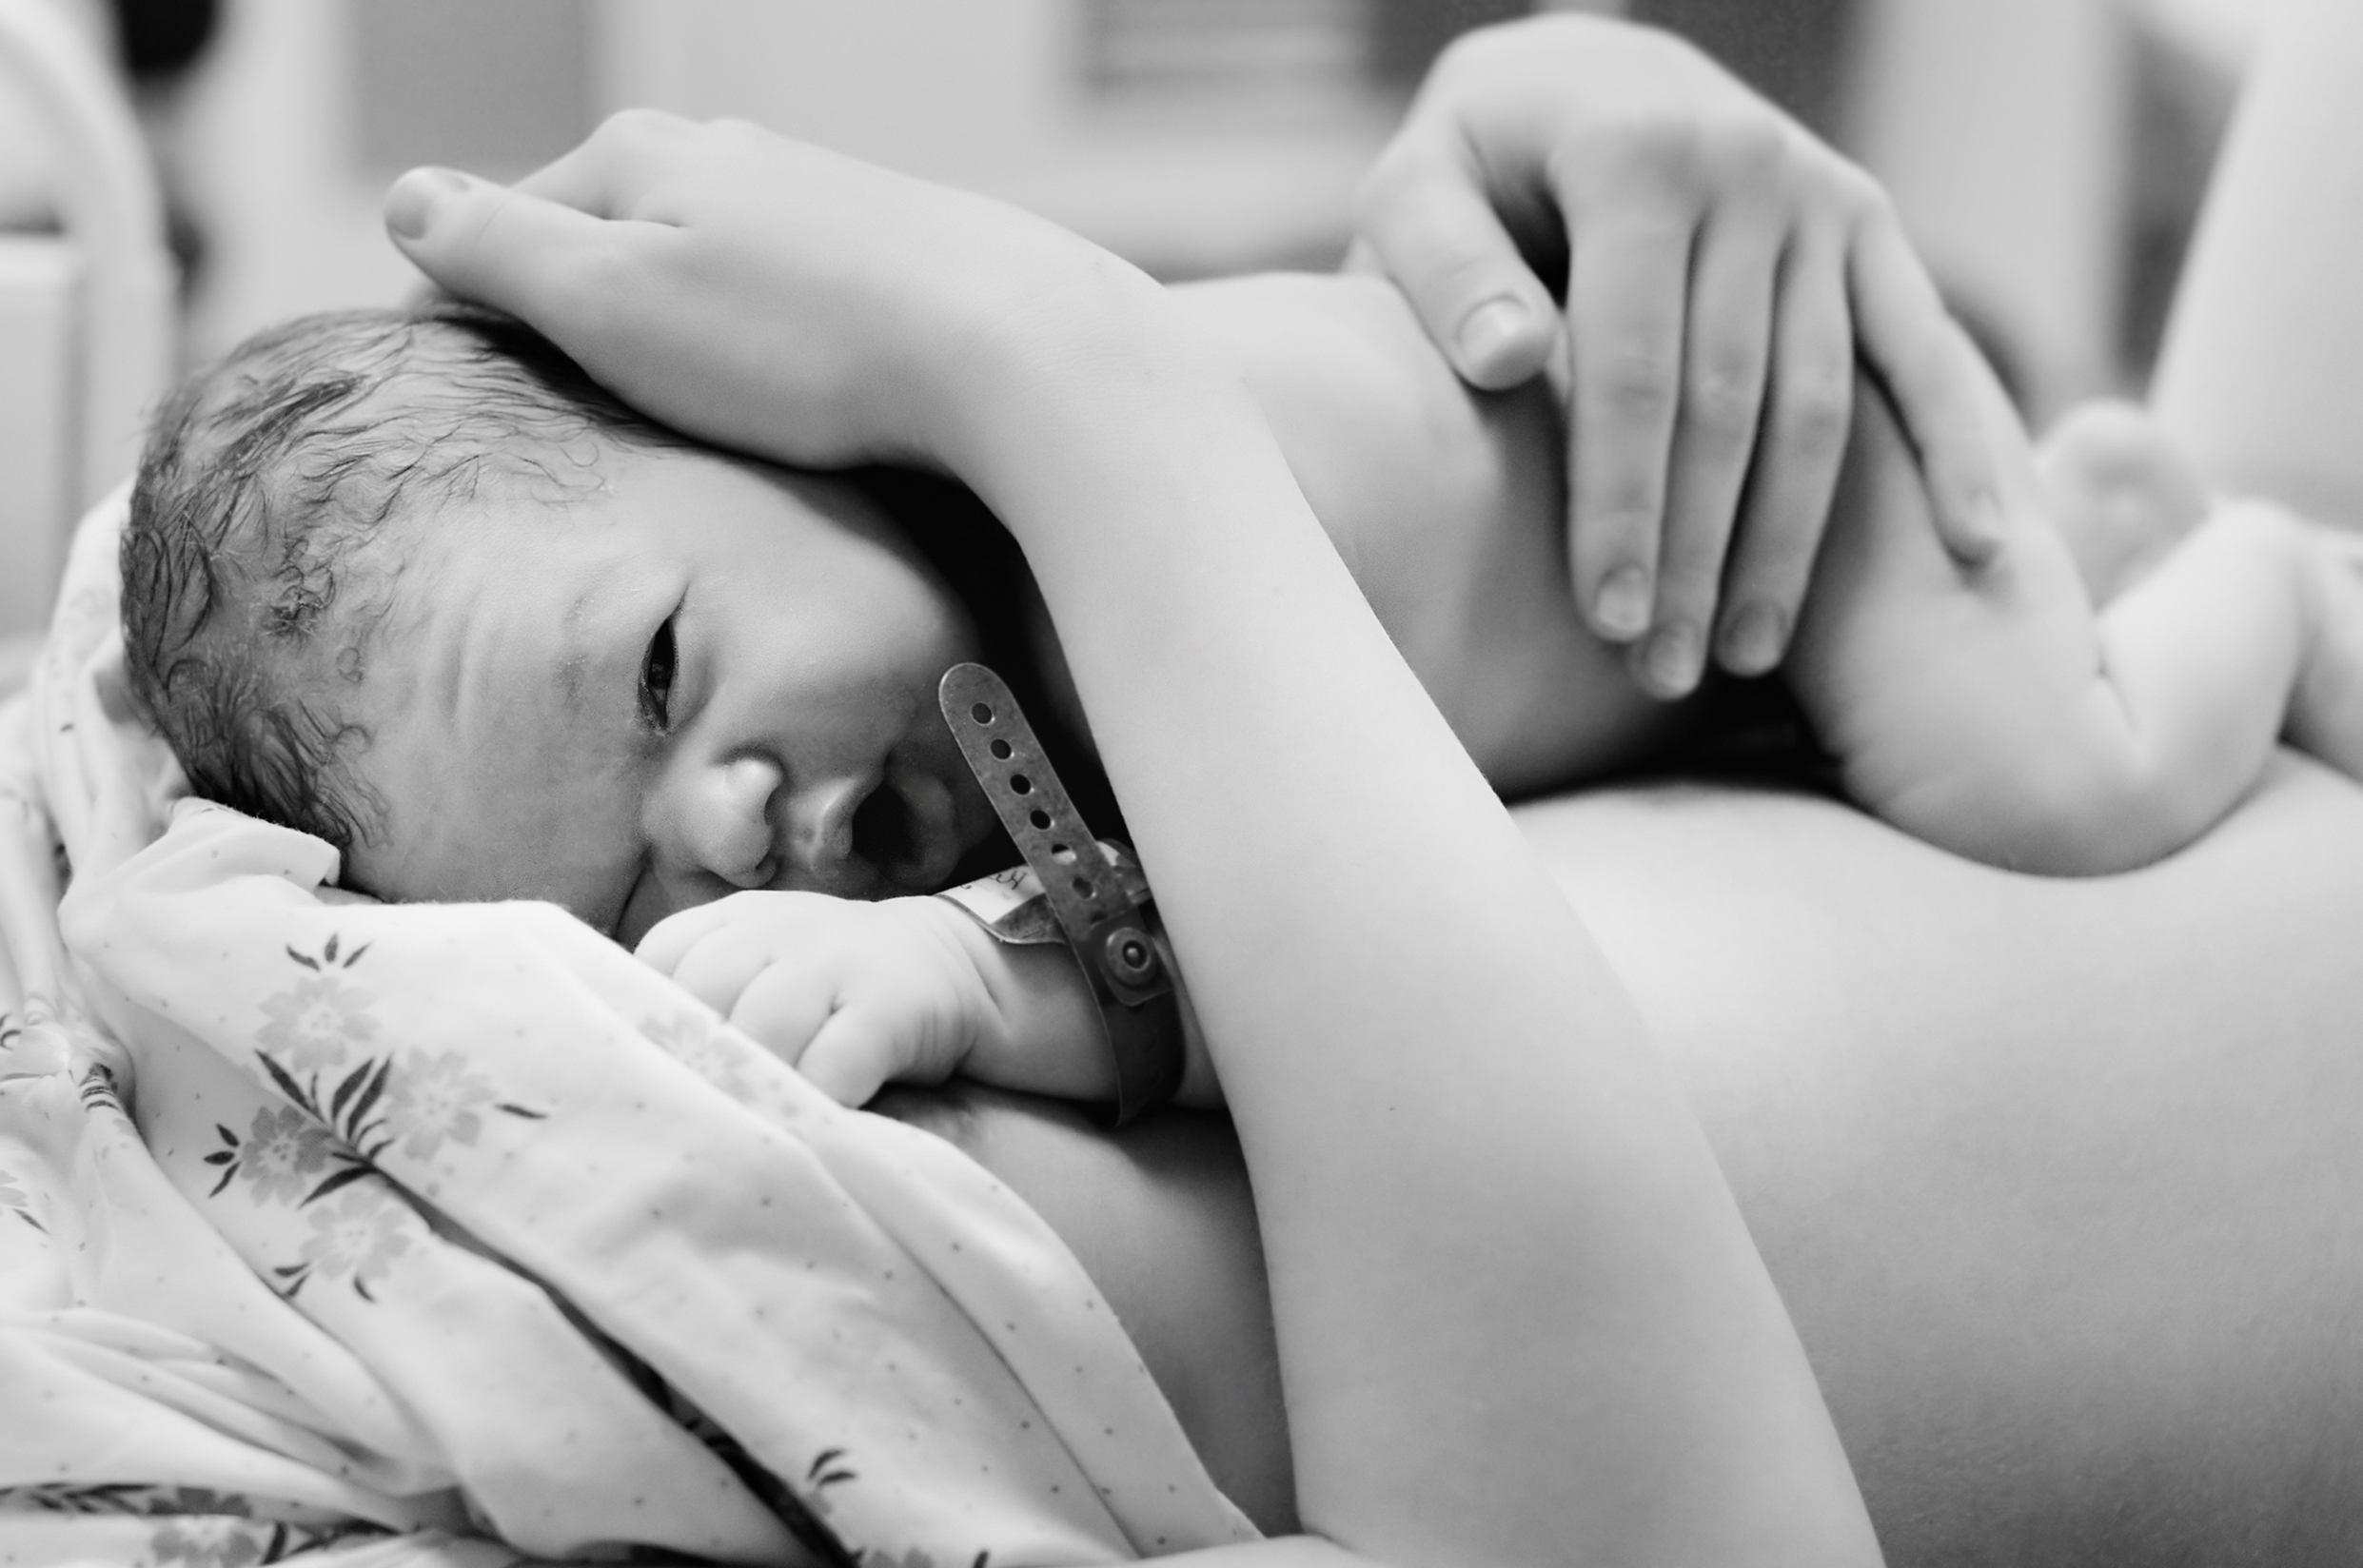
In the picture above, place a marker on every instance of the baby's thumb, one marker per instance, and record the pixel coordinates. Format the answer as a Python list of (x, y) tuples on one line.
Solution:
[(533, 258), (1433, 231)]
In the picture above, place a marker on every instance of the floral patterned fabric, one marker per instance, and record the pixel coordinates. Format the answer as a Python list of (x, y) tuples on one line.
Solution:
[(452, 1234)]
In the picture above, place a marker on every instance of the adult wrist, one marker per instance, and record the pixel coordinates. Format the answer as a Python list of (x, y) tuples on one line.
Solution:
[(1084, 367)]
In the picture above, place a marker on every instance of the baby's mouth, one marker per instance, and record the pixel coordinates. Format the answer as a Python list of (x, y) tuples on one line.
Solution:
[(908, 828), (884, 834)]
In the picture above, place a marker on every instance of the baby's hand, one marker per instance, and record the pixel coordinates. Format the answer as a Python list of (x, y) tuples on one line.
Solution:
[(852, 995), (2120, 491)]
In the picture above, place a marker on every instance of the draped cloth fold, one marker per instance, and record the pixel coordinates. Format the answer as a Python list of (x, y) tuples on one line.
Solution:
[(452, 1234)]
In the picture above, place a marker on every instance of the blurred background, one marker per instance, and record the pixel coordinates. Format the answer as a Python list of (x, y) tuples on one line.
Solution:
[(2047, 155)]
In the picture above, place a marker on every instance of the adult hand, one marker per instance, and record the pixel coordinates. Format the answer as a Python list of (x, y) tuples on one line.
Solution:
[(760, 293), (1721, 271)]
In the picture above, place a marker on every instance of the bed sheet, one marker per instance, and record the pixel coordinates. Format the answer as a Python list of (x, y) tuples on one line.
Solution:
[(362, 1232)]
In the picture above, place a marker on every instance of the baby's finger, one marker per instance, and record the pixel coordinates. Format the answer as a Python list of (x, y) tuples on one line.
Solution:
[(1728, 337), (1808, 413), (1930, 370), (852, 1055), (784, 1009), (1428, 225), (1626, 290), (547, 263), (672, 937), (718, 968)]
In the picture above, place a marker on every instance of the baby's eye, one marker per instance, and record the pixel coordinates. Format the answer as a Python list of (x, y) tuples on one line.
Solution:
[(656, 679)]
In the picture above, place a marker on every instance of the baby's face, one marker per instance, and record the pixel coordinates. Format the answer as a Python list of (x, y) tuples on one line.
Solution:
[(702, 677)]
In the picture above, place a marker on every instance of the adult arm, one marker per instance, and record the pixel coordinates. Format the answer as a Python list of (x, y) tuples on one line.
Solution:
[(1721, 271), (2057, 1177), (1516, 1308)]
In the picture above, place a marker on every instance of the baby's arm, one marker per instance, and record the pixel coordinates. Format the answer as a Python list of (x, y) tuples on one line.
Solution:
[(911, 990), (1991, 710), (1997, 713)]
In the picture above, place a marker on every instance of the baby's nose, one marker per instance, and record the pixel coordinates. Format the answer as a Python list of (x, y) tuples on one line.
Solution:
[(729, 824)]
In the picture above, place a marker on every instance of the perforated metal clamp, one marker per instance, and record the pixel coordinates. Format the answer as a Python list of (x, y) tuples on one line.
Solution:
[(1096, 891)]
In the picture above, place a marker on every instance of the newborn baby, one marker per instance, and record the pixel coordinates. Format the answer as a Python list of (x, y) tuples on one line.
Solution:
[(414, 585), (410, 582)]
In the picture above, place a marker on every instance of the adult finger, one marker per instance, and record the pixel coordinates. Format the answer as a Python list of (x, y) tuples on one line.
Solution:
[(540, 261), (1726, 345), (1809, 412), (1625, 287), (611, 169), (1428, 225), (1928, 367)]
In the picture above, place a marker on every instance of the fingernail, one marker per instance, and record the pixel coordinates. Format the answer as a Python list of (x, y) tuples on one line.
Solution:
[(1487, 329), (1752, 640), (410, 205), (1622, 608), (1985, 526), (1672, 659), (1991, 520)]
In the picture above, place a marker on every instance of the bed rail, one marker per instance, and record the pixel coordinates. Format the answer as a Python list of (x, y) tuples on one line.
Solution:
[(86, 316)]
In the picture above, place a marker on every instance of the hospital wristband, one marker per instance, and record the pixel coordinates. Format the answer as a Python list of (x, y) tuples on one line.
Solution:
[(1092, 891)]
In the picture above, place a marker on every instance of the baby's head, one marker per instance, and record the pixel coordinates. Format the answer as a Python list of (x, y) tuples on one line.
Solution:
[(411, 582)]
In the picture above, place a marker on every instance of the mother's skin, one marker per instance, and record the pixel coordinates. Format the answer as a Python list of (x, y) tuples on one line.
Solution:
[(2055, 1176)]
